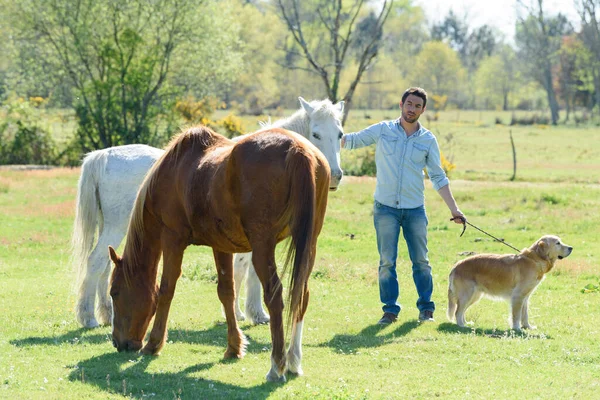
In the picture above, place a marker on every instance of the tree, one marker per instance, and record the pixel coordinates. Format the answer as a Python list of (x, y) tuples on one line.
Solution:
[(481, 43), (497, 77), (590, 35), (326, 34), (438, 69), (538, 39), (573, 71), (405, 34), (453, 31), (118, 56)]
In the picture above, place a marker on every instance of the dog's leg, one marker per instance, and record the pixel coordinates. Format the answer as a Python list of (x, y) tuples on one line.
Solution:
[(466, 298), (517, 304), (525, 315)]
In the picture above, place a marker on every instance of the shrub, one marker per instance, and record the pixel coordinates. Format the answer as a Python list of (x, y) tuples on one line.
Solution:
[(22, 141), (359, 162), (197, 112), (232, 126), (30, 145)]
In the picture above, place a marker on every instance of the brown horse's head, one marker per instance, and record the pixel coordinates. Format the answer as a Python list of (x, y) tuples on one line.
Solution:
[(134, 305)]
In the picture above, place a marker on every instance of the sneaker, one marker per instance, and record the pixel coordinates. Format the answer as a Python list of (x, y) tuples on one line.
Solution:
[(387, 318), (426, 315)]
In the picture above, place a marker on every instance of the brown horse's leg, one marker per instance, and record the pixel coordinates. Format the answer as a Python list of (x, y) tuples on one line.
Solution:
[(172, 258), (263, 258), (236, 341), (294, 354)]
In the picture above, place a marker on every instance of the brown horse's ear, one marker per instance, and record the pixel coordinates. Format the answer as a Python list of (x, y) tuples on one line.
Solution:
[(542, 249), (114, 256)]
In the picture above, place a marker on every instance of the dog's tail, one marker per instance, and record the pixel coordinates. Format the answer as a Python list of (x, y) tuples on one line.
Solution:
[(452, 299)]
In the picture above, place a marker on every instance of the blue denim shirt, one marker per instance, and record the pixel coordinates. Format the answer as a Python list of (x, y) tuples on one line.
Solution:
[(400, 161)]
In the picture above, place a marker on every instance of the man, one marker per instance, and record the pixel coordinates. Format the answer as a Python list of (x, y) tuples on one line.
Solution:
[(403, 149)]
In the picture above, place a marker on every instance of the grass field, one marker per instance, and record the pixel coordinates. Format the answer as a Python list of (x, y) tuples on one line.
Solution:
[(45, 354)]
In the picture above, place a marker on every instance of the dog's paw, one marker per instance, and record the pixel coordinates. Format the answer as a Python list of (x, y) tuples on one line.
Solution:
[(532, 327)]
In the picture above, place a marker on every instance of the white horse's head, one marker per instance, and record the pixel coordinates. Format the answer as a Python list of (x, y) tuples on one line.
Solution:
[(326, 132)]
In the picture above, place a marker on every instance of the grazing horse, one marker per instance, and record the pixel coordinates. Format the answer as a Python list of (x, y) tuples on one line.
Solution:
[(107, 189), (234, 197)]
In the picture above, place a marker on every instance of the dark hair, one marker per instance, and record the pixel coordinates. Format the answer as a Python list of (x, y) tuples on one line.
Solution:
[(415, 91)]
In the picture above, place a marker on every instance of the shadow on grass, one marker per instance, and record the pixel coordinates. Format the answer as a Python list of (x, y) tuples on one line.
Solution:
[(126, 374), (216, 335), (448, 327), (77, 336), (369, 337)]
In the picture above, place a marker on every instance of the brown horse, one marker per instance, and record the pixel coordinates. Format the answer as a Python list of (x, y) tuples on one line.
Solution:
[(234, 197)]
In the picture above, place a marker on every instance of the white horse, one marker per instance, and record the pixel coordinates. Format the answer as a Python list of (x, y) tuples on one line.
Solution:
[(107, 190)]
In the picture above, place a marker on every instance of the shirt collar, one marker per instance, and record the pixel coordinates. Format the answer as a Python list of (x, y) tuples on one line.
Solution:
[(418, 132)]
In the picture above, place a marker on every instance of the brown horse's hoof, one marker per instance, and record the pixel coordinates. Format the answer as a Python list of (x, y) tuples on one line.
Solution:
[(229, 354), (151, 350)]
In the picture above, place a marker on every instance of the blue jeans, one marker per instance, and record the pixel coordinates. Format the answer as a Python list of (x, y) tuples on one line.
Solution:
[(413, 221)]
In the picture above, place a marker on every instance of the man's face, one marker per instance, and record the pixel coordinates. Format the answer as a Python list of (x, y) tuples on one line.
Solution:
[(412, 108)]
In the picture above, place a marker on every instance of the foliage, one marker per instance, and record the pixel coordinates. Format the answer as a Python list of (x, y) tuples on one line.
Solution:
[(497, 78), (196, 112), (22, 140), (530, 120), (591, 288), (232, 126), (325, 45), (440, 70), (260, 83), (538, 39), (360, 162), (438, 102), (119, 56)]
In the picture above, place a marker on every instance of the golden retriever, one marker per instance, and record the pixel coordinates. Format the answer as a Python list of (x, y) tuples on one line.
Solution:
[(510, 277)]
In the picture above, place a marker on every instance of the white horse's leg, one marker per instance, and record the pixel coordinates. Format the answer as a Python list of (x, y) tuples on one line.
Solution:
[(104, 307), (254, 303), (96, 281), (294, 355), (240, 268)]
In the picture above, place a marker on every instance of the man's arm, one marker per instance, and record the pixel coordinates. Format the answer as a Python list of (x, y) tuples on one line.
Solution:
[(451, 203), (363, 138)]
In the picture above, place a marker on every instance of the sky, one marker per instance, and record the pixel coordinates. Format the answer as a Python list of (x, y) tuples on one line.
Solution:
[(501, 14)]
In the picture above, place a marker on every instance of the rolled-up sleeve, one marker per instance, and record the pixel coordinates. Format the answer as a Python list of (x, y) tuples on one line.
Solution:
[(363, 138), (434, 167)]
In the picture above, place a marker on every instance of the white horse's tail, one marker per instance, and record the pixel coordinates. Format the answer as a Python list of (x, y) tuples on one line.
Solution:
[(87, 212)]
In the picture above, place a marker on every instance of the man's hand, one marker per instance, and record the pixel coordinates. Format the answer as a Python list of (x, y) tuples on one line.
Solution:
[(458, 217)]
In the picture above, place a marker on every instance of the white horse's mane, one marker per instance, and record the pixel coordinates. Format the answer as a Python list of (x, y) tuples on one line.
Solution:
[(300, 121)]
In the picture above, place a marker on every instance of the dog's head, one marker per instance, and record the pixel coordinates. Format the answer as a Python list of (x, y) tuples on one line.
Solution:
[(551, 248)]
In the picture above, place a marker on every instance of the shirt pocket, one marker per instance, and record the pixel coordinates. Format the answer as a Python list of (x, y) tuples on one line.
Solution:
[(418, 155), (388, 144)]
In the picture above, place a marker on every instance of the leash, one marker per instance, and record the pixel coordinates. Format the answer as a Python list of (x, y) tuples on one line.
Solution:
[(465, 222)]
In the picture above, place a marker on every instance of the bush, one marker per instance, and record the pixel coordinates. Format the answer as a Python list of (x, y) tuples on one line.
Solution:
[(29, 145), (359, 162), (231, 125), (530, 120), (197, 112), (22, 141)]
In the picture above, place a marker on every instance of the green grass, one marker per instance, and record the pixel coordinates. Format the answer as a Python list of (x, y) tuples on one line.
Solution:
[(45, 354)]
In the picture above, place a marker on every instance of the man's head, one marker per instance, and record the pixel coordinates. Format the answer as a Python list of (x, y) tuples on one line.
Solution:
[(413, 104)]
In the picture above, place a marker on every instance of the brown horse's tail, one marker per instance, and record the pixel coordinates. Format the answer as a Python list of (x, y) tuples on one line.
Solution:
[(301, 174)]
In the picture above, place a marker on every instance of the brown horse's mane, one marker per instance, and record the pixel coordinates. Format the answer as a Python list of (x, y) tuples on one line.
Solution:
[(196, 138)]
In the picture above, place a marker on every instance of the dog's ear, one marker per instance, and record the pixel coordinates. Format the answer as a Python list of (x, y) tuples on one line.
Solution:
[(541, 249)]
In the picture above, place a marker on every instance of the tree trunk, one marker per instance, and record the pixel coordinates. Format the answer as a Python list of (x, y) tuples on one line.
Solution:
[(551, 95)]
